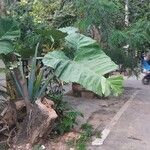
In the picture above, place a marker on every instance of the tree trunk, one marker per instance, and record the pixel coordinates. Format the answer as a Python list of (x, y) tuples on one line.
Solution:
[(2, 7), (11, 88), (37, 124), (127, 13), (12, 113), (95, 33)]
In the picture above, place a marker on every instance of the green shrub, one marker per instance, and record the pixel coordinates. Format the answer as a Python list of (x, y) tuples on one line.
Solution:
[(66, 114)]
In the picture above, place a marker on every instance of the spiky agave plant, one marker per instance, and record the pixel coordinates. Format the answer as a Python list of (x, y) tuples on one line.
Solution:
[(34, 88)]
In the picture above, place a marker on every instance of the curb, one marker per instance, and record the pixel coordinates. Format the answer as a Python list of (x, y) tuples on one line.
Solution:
[(109, 127)]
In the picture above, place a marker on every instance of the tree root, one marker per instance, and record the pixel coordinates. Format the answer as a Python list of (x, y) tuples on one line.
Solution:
[(10, 136), (36, 125)]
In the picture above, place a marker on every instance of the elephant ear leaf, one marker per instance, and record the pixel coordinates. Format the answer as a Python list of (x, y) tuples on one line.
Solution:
[(88, 67), (9, 31)]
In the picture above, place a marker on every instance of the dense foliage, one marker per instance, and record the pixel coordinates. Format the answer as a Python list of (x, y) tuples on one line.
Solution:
[(102, 20), (9, 31), (108, 18)]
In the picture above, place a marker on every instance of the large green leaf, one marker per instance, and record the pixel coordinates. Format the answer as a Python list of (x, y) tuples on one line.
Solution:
[(88, 66), (5, 47), (9, 30)]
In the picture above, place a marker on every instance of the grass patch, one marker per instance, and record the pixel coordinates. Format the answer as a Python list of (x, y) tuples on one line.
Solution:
[(87, 132)]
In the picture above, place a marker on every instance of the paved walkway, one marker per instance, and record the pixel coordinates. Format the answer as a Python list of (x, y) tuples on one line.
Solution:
[(132, 131)]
